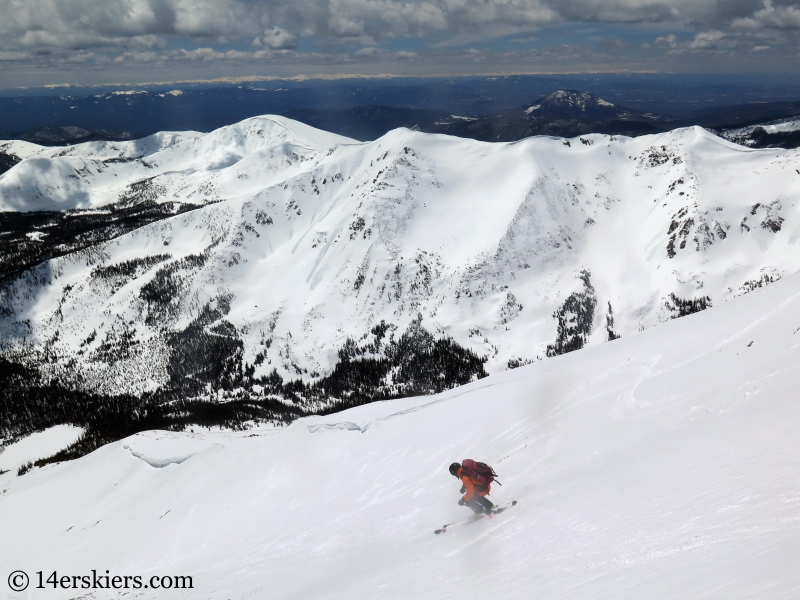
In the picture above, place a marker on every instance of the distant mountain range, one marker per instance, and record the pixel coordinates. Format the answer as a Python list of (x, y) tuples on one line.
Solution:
[(565, 113), (562, 113), (134, 114), (743, 114), (66, 136)]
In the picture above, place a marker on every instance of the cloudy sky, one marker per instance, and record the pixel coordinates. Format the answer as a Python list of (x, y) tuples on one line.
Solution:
[(49, 42)]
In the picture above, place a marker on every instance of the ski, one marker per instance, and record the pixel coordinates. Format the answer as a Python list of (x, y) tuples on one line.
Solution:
[(477, 517), (500, 509)]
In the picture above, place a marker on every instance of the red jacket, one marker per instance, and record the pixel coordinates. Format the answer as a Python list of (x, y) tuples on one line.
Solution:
[(471, 488)]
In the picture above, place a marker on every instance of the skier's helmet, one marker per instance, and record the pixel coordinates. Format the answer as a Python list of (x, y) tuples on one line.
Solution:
[(454, 469)]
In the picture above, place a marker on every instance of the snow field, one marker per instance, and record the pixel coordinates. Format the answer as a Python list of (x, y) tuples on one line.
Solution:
[(662, 465), (42, 444), (741, 134)]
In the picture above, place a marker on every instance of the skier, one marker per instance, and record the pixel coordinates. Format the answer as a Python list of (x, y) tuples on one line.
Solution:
[(476, 479)]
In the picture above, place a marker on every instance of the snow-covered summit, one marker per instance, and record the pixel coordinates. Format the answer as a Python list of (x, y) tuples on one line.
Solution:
[(96, 174), (571, 104), (299, 240), (570, 101)]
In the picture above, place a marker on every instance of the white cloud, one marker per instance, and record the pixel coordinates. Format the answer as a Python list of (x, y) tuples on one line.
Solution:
[(211, 55), (770, 17), (716, 41), (277, 24), (706, 39), (667, 41), (140, 31), (14, 56), (139, 57), (276, 39)]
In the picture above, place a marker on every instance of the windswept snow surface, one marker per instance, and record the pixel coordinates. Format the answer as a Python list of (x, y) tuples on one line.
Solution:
[(307, 239), (663, 465)]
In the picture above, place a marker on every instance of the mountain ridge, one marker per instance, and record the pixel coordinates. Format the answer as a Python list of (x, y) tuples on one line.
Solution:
[(312, 254)]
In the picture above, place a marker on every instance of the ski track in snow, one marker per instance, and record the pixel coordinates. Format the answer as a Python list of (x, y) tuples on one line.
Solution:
[(662, 465)]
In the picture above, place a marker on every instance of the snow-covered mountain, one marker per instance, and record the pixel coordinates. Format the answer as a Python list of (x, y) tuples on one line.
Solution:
[(664, 465), (564, 113), (783, 133), (571, 104), (298, 241)]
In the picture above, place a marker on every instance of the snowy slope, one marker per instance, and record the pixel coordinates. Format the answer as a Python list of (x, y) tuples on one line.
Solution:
[(306, 239), (42, 444), (789, 125), (778, 133), (662, 465), (784, 125)]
